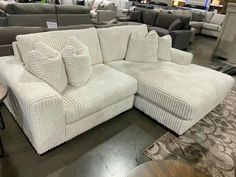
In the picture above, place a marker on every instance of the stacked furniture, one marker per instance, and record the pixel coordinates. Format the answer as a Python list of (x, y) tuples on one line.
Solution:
[(165, 23), (163, 83), (208, 23), (35, 14)]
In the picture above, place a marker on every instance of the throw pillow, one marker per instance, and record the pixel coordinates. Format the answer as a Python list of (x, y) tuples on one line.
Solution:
[(47, 64), (142, 48), (16, 51), (77, 61), (164, 48), (198, 16), (135, 16), (176, 25)]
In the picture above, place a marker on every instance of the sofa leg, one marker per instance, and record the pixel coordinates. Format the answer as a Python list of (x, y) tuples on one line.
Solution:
[(1, 148), (2, 125)]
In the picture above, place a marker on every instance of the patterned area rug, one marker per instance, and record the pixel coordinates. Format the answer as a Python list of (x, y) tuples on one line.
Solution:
[(210, 145)]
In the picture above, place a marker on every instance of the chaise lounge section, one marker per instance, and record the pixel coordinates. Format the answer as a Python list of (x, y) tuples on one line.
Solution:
[(175, 93)]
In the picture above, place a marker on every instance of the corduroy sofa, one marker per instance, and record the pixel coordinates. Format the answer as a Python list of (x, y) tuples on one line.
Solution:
[(36, 14), (176, 93)]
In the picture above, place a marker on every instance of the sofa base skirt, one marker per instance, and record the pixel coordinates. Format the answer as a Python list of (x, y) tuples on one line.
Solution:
[(166, 118), (210, 32), (79, 127)]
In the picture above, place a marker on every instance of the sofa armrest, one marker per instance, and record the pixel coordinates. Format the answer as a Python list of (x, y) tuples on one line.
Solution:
[(181, 57), (181, 38), (41, 107)]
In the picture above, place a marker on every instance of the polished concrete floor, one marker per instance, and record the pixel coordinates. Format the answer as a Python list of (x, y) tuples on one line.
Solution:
[(112, 149)]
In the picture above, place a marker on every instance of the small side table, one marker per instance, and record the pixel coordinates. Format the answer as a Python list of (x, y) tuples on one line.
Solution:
[(165, 168), (3, 95)]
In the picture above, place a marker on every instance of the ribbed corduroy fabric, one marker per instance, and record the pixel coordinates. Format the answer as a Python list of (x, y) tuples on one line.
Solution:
[(181, 57), (38, 108), (168, 119), (114, 41), (99, 117), (106, 86), (47, 64), (57, 40), (183, 90), (77, 62), (142, 48), (164, 51)]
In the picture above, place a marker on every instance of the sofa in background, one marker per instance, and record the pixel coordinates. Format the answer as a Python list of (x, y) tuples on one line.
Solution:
[(104, 12), (49, 118), (36, 14), (3, 18), (207, 23), (161, 22)]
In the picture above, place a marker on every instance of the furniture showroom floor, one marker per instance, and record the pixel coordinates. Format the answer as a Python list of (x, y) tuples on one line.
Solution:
[(113, 148)]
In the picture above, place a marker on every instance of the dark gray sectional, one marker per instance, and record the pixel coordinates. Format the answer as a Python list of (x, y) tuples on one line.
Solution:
[(161, 22)]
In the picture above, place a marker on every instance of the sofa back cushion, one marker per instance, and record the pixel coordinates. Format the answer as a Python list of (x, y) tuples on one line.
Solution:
[(114, 41), (164, 20), (149, 17), (33, 8), (57, 40), (136, 16), (8, 35), (71, 9), (218, 19)]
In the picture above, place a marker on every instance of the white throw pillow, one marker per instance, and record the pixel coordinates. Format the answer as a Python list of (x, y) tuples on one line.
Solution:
[(16, 51), (47, 64), (77, 61), (164, 45), (142, 48)]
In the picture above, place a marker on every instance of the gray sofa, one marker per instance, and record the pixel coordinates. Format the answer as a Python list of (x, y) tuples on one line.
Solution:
[(8, 34), (207, 23), (161, 22), (36, 14)]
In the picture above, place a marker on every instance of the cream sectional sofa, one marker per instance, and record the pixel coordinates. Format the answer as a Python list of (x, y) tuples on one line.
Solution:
[(177, 94)]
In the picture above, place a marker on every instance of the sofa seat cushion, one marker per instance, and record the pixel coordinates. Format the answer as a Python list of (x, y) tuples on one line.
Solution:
[(105, 87), (211, 26), (196, 24), (185, 91), (160, 31)]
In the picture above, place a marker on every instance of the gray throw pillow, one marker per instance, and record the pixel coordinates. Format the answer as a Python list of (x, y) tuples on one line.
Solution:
[(135, 16), (197, 16), (176, 25)]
